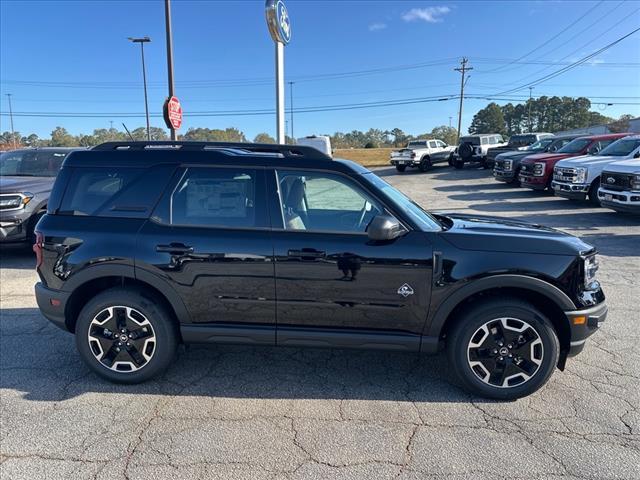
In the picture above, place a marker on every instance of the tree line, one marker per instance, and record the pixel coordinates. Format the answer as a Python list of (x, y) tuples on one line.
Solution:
[(543, 114)]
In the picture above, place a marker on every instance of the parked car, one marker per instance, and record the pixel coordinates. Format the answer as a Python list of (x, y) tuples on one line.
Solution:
[(474, 148), (319, 142), (518, 142), (421, 154), (142, 248), (620, 186), (26, 179), (536, 171), (579, 178), (507, 165)]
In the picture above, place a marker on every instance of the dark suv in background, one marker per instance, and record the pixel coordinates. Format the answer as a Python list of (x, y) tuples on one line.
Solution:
[(516, 143), (147, 245), (26, 180)]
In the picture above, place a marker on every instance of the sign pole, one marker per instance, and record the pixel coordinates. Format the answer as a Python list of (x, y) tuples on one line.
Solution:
[(280, 30), (280, 93), (167, 17)]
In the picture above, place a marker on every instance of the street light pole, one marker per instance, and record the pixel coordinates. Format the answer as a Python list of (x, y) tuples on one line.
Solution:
[(13, 135), (291, 107), (142, 41), (167, 19)]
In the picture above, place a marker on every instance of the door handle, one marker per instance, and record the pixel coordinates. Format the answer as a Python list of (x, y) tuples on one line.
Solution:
[(175, 248), (306, 254)]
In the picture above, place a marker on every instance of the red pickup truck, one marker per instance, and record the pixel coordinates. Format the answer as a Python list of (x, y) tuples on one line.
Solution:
[(536, 171)]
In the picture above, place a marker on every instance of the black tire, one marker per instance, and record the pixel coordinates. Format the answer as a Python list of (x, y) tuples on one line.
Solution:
[(487, 164), (465, 151), (162, 336), (425, 164), (542, 339), (459, 164), (401, 168), (593, 193)]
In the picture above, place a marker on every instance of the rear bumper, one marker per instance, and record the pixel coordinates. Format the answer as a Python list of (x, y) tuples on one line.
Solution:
[(572, 191), (406, 162), (583, 324), (52, 304)]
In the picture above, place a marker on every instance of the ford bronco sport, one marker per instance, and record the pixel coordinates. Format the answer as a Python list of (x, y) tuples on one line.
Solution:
[(148, 245)]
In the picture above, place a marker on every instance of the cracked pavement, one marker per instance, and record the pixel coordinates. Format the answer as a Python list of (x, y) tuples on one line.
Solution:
[(231, 412)]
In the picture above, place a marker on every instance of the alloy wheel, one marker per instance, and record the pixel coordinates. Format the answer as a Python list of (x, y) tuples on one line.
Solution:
[(122, 339), (505, 352)]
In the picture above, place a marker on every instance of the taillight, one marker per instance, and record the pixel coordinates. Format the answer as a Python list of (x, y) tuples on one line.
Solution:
[(37, 248)]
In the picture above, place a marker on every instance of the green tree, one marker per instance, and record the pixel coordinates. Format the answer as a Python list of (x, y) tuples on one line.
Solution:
[(596, 118), (264, 138), (488, 120), (31, 140), (61, 138), (10, 140), (156, 134), (448, 135), (621, 125), (399, 137), (214, 135)]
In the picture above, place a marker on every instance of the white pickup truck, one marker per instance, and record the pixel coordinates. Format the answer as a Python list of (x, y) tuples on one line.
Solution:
[(620, 186), (578, 178), (421, 154)]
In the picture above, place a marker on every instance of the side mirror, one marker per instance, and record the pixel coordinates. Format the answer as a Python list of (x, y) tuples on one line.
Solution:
[(636, 155), (385, 227)]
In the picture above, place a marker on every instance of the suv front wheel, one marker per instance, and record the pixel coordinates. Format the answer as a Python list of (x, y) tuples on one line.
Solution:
[(125, 336), (503, 349)]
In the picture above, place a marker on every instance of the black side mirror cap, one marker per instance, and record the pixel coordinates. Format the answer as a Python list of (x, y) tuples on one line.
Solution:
[(636, 155), (385, 227)]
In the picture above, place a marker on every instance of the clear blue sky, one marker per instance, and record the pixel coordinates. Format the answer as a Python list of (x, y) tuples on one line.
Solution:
[(74, 57)]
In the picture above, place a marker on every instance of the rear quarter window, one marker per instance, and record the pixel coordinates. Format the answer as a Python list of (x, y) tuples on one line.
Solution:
[(113, 192)]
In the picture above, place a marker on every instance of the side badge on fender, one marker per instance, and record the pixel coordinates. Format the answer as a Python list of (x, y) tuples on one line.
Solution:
[(405, 290)]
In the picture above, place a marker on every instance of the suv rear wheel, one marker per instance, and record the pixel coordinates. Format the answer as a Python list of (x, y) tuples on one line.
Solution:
[(125, 336), (503, 349)]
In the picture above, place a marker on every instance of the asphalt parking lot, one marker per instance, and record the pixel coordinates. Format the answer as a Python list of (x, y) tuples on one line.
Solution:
[(283, 413)]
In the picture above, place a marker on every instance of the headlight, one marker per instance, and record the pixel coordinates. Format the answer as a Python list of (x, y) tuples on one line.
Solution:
[(15, 200), (590, 269), (538, 169), (635, 183), (581, 175)]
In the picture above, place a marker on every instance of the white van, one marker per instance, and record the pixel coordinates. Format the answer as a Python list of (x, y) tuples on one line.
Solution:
[(319, 142)]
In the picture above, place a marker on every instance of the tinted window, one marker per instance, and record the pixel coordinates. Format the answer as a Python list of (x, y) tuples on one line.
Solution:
[(417, 144), (91, 190), (522, 140), (575, 146), (219, 197), (471, 140), (484, 140), (31, 163), (324, 201), (433, 144), (622, 147)]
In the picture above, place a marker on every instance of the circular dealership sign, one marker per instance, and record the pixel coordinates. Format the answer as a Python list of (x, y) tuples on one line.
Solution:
[(172, 113), (278, 21)]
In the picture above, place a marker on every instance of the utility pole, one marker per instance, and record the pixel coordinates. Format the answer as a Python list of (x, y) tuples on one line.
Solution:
[(463, 69), (142, 41), (13, 134), (450, 117), (291, 107), (530, 89), (167, 18)]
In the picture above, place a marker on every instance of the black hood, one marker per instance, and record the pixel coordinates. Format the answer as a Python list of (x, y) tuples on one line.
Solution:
[(493, 234), (17, 184)]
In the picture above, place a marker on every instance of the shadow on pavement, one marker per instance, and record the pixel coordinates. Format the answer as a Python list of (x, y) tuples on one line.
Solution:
[(17, 256), (48, 368)]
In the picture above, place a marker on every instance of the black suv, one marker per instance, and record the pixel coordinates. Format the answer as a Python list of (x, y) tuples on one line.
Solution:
[(147, 245)]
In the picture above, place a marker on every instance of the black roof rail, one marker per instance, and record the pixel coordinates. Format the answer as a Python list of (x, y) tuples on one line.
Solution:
[(296, 151)]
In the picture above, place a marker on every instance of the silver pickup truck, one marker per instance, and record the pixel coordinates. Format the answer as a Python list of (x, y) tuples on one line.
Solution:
[(421, 154)]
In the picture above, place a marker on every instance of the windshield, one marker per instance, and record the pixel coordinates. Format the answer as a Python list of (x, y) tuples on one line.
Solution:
[(621, 148), (541, 144), (31, 163), (575, 146), (521, 140), (424, 220)]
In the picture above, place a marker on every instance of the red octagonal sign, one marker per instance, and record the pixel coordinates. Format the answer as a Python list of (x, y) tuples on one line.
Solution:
[(173, 113)]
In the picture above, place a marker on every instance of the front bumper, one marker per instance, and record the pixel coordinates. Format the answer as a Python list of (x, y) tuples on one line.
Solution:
[(13, 225), (572, 191), (504, 175), (535, 183), (52, 304), (620, 201), (583, 324)]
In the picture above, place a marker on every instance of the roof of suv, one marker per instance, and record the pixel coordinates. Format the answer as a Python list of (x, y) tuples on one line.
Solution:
[(146, 154)]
